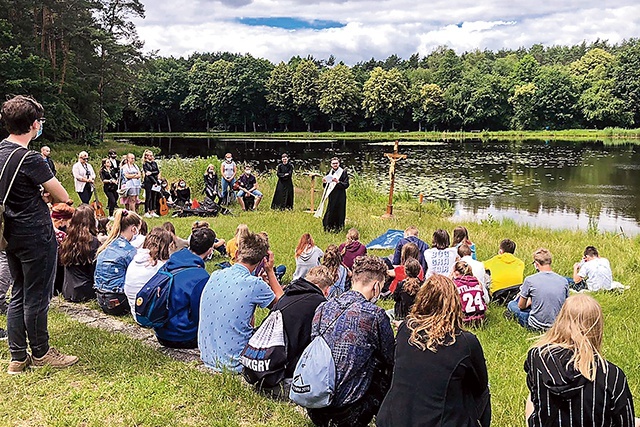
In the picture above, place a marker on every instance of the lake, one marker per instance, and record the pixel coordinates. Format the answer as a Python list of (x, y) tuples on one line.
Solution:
[(555, 184)]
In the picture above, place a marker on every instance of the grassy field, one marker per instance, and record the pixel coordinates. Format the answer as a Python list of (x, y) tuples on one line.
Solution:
[(605, 135), (120, 382)]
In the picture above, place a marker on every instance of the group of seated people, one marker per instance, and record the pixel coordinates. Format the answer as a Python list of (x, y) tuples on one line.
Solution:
[(437, 290)]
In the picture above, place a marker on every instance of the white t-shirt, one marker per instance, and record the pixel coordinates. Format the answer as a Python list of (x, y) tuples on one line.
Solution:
[(597, 274), (478, 270), (440, 261), (138, 274)]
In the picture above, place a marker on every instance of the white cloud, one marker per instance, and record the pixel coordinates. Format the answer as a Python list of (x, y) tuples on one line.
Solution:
[(381, 28)]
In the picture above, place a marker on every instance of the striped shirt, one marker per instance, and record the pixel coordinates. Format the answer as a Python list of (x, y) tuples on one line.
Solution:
[(562, 397)]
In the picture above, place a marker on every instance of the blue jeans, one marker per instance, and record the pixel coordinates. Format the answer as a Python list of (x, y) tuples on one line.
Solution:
[(521, 315), (32, 261), (227, 186)]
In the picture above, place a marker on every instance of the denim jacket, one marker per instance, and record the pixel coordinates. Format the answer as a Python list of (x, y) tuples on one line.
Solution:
[(112, 264)]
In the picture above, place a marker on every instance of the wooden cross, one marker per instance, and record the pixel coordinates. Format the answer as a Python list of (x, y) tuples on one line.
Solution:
[(393, 158)]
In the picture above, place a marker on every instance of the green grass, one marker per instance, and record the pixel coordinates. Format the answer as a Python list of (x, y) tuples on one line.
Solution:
[(121, 382)]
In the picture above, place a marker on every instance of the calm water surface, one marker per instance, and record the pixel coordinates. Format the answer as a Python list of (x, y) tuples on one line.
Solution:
[(573, 185)]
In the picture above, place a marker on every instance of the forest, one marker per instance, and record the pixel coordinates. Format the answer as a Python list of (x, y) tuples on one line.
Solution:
[(85, 62)]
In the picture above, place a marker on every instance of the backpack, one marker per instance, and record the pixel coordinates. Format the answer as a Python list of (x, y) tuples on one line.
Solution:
[(314, 379), (152, 301), (5, 186), (264, 358)]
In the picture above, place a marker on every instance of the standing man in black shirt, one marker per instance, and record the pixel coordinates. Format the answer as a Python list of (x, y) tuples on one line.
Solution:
[(31, 244), (46, 154)]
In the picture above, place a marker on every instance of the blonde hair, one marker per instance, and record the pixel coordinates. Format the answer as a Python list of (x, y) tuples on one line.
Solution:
[(122, 219), (353, 235), (145, 155), (578, 328), (436, 314)]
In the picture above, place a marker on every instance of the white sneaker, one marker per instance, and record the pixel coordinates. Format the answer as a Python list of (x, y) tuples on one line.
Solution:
[(147, 215), (111, 218), (155, 215)]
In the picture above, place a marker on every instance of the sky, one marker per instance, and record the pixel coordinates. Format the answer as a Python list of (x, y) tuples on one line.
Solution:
[(358, 30)]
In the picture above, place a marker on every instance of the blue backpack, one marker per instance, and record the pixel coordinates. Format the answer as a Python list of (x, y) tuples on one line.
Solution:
[(152, 301), (314, 379)]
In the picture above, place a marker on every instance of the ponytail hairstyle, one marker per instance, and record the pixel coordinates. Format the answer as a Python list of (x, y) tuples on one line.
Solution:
[(462, 268), (75, 249), (159, 243), (122, 219), (332, 260), (412, 270), (305, 242), (353, 235), (578, 328)]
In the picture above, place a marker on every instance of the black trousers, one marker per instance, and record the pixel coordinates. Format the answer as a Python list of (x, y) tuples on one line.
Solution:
[(85, 194), (359, 413), (150, 198), (112, 199), (32, 261)]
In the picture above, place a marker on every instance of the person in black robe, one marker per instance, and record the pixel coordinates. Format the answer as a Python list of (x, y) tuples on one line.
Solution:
[(334, 216), (283, 197)]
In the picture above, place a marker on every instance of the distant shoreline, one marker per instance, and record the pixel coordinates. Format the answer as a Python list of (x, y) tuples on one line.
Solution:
[(605, 135)]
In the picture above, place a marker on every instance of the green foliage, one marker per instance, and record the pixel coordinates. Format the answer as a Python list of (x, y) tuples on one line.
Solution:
[(304, 85), (339, 95), (385, 95)]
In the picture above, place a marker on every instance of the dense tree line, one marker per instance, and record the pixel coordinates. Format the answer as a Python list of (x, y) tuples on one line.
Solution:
[(83, 59)]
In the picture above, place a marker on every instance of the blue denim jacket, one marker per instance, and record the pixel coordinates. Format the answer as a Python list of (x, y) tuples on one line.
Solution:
[(112, 264)]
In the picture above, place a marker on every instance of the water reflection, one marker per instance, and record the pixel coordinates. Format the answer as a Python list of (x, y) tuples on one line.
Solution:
[(549, 184)]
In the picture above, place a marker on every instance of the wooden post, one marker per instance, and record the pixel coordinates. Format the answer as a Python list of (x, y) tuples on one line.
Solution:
[(313, 176), (393, 157)]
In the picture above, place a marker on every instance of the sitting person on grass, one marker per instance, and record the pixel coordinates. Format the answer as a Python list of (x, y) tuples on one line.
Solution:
[(473, 296), (593, 272), (477, 267), (147, 261), (405, 292), (228, 304), (541, 295), (506, 272), (411, 236), (333, 261), (181, 328), (114, 256), (570, 382), (248, 185), (361, 341), (298, 306), (440, 258), (219, 244)]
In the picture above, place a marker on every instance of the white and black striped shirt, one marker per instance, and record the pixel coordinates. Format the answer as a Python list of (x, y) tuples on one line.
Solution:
[(562, 397)]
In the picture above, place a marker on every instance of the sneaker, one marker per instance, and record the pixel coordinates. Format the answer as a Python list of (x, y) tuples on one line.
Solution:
[(55, 359), (16, 367), (111, 218), (3, 334), (155, 215), (147, 215)]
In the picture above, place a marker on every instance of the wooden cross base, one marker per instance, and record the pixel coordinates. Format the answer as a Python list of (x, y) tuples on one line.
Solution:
[(313, 176)]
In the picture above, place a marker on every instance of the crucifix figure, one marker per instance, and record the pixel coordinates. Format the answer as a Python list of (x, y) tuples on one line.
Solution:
[(393, 158)]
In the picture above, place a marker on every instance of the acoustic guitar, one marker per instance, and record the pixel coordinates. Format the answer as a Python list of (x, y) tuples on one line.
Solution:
[(163, 208), (96, 205)]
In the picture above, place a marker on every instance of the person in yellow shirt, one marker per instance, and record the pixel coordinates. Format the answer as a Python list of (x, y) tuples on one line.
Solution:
[(507, 273), (232, 245)]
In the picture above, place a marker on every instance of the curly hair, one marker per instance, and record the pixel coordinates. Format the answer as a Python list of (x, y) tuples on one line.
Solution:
[(436, 315), (412, 270), (367, 268), (332, 260), (76, 248)]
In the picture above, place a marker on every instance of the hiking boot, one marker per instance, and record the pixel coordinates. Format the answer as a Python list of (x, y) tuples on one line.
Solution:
[(55, 359), (3, 334), (16, 367)]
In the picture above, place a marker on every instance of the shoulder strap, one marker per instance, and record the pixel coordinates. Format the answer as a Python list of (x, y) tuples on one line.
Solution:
[(333, 321), (294, 302), (12, 162)]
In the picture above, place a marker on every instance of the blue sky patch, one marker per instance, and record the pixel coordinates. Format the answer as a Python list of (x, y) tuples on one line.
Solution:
[(289, 23)]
